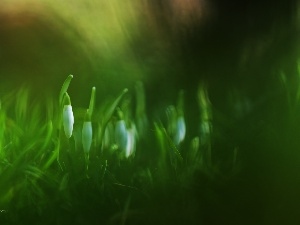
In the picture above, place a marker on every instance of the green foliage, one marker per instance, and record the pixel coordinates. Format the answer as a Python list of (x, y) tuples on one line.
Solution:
[(122, 188)]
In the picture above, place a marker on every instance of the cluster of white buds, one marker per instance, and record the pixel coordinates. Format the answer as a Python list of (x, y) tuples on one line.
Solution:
[(117, 134), (120, 136), (68, 117)]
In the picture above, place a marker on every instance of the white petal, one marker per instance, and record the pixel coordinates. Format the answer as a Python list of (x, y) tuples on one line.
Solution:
[(68, 120), (130, 147), (180, 132), (121, 134)]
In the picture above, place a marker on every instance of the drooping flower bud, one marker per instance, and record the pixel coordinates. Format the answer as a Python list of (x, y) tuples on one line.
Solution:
[(87, 134), (131, 141), (176, 124), (180, 130), (121, 132), (68, 117)]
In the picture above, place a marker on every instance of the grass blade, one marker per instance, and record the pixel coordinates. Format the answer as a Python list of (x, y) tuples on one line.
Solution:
[(64, 88)]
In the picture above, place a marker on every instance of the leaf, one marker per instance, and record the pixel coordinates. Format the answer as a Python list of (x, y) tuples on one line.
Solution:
[(34, 172), (112, 108), (92, 102), (64, 88), (54, 155), (64, 182), (109, 112), (49, 132)]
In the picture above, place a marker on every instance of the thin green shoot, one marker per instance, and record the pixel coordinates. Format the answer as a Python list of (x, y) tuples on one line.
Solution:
[(64, 88)]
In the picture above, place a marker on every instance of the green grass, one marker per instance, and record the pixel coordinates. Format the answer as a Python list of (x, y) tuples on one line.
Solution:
[(47, 178)]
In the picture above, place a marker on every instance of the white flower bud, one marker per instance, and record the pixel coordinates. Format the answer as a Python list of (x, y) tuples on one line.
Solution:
[(87, 135), (180, 130), (121, 134), (68, 120), (131, 141)]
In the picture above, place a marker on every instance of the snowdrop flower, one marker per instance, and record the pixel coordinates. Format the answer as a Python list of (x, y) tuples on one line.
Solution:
[(121, 134), (87, 134), (68, 117), (131, 141), (176, 124), (180, 130), (121, 131)]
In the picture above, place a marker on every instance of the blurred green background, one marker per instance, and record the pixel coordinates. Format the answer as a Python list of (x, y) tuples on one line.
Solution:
[(238, 65)]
